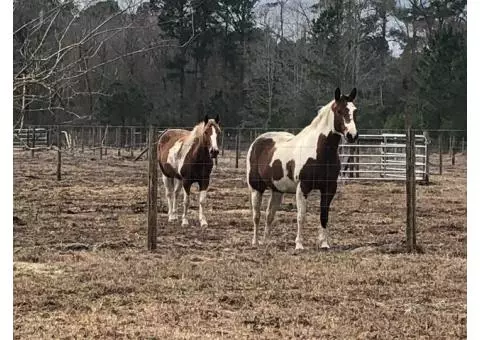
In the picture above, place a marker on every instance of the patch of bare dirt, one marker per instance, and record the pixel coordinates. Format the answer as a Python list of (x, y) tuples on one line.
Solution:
[(81, 268)]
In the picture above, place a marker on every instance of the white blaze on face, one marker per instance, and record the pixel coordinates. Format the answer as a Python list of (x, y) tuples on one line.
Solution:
[(213, 139), (350, 127)]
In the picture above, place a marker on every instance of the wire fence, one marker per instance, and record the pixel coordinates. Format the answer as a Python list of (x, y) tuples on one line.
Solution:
[(132, 142)]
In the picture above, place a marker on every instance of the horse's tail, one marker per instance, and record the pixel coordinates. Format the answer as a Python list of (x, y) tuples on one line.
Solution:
[(252, 172), (248, 165), (162, 169)]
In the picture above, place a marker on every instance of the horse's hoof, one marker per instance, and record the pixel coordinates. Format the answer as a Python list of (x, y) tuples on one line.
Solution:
[(324, 246), (254, 242), (172, 219), (203, 224), (185, 223), (265, 242), (299, 246)]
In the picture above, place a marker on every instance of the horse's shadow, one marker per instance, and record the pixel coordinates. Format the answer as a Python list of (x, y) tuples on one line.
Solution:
[(354, 248)]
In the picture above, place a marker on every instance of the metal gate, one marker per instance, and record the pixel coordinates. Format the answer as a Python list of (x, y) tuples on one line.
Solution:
[(382, 157), (25, 137)]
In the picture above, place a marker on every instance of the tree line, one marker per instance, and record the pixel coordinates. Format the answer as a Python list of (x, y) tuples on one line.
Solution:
[(255, 63)]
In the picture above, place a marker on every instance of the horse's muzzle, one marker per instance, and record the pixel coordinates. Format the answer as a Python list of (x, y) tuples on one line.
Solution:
[(213, 153), (350, 138)]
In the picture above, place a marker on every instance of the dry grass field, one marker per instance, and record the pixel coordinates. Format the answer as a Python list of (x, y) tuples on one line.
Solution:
[(81, 269)]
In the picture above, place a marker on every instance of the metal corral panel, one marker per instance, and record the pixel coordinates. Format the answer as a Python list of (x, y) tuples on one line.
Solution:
[(382, 157)]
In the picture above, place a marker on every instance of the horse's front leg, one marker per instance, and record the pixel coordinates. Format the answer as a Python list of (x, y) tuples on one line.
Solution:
[(326, 198), (301, 198), (186, 202), (201, 203)]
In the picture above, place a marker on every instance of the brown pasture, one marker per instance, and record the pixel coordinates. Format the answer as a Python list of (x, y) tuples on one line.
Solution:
[(81, 268)]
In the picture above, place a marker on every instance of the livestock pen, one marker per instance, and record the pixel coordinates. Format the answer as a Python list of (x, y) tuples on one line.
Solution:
[(81, 267)]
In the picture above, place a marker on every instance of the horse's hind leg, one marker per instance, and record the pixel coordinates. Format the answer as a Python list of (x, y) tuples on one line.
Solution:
[(256, 201), (177, 187), (273, 205), (186, 203), (168, 183)]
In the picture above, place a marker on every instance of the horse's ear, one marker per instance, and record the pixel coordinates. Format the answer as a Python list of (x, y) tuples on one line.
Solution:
[(337, 94), (206, 119), (217, 119), (352, 95)]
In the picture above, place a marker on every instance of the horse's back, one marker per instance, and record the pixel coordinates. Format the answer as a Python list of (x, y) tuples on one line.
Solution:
[(260, 174), (166, 142), (168, 139), (276, 136)]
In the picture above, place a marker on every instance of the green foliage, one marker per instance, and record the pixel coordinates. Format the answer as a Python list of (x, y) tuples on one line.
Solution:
[(124, 105), (442, 80), (238, 63)]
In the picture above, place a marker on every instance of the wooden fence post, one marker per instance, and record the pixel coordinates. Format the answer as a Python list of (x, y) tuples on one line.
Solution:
[(105, 141), (28, 137), (453, 150), (94, 144), (411, 190), (49, 136), (237, 148), (33, 143), (100, 141), (440, 153), (463, 145), (147, 140), (132, 140), (450, 145), (59, 154), (152, 191), (427, 157), (82, 136), (118, 133)]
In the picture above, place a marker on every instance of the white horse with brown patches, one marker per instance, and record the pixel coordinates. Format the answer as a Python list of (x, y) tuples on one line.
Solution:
[(298, 164), (186, 157)]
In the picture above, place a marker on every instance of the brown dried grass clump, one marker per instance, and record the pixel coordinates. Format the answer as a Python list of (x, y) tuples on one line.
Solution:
[(81, 268)]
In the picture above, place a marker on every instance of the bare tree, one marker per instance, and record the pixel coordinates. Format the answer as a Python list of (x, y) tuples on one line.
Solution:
[(59, 51)]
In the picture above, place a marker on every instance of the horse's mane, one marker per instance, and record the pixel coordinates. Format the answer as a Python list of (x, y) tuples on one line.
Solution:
[(197, 132), (323, 116), (323, 113)]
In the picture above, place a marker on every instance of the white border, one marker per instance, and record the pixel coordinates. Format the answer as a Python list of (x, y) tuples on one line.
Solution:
[(6, 237), (6, 204), (473, 187)]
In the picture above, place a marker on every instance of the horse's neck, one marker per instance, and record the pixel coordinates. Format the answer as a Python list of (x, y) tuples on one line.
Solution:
[(199, 150), (333, 141), (192, 141), (320, 125)]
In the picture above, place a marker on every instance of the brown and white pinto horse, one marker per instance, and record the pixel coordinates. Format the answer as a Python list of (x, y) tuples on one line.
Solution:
[(287, 163), (185, 157)]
